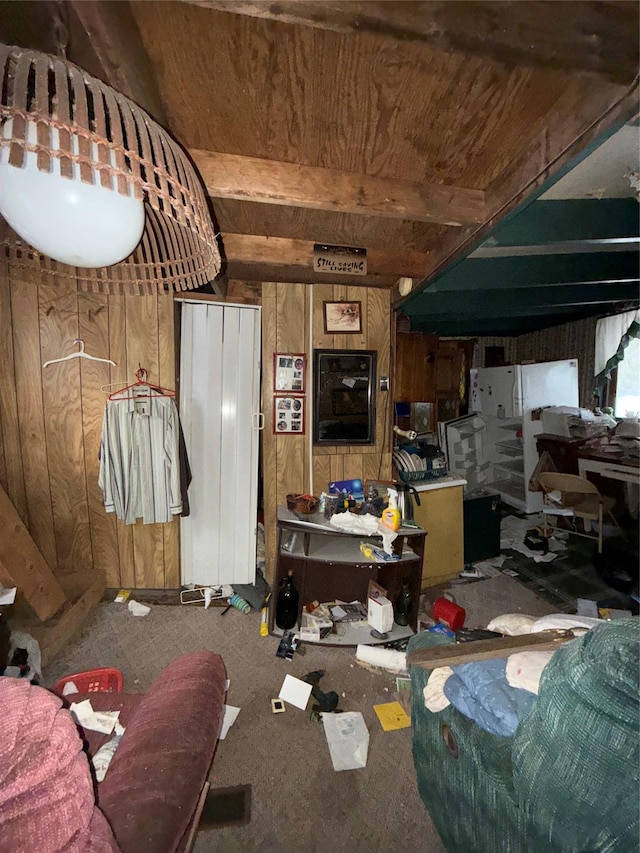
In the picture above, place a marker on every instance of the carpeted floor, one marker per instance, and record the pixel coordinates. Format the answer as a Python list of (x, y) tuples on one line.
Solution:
[(298, 802)]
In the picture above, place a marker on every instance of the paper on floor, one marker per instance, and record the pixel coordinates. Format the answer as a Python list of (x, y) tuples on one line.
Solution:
[(392, 716), (137, 609), (348, 740), (295, 692), (97, 721), (8, 596), (230, 716), (513, 531)]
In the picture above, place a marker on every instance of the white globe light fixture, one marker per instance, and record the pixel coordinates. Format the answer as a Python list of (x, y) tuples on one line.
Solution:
[(92, 190), (83, 225)]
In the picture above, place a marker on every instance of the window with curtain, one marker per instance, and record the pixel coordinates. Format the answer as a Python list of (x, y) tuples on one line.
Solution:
[(617, 363), (627, 391)]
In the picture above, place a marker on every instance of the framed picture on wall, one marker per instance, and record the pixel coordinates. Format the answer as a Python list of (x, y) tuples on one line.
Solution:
[(342, 318), (289, 370), (288, 415)]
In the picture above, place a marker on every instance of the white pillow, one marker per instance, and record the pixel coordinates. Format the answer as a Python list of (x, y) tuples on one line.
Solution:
[(525, 668), (512, 624)]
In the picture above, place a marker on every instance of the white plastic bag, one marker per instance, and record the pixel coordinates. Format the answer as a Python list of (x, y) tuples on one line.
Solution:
[(348, 740)]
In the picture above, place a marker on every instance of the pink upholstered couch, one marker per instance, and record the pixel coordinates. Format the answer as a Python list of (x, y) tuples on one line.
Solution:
[(149, 798)]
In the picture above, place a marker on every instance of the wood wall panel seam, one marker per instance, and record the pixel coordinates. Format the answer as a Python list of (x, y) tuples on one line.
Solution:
[(8, 400), (32, 416)]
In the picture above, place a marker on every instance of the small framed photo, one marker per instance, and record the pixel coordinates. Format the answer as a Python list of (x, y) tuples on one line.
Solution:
[(288, 415), (289, 370), (342, 318)]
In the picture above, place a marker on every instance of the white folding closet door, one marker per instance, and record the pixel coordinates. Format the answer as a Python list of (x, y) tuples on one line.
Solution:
[(219, 411)]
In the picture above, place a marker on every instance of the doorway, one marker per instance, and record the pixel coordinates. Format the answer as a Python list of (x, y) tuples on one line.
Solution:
[(221, 420)]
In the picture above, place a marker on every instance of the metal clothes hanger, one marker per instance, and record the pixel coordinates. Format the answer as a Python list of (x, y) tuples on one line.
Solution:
[(141, 383), (80, 354)]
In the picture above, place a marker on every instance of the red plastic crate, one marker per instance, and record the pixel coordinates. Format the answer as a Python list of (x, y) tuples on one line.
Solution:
[(103, 680)]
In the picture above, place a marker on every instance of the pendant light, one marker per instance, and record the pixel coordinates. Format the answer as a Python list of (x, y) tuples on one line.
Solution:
[(93, 190)]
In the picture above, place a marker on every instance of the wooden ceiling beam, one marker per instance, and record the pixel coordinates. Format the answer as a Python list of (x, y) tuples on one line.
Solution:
[(115, 39), (274, 182), (279, 252), (592, 37), (567, 133)]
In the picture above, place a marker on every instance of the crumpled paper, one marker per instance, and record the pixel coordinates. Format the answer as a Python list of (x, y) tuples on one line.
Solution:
[(97, 721), (137, 609), (365, 525)]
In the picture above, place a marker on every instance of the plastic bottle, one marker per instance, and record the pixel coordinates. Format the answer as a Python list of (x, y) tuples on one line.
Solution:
[(391, 515), (287, 604)]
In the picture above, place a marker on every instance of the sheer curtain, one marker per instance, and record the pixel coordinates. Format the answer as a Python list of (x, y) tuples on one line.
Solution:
[(612, 337), (618, 347)]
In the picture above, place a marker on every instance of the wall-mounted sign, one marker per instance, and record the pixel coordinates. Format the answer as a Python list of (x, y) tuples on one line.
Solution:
[(340, 260)]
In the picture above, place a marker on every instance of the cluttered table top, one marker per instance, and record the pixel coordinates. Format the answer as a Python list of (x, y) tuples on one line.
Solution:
[(316, 522)]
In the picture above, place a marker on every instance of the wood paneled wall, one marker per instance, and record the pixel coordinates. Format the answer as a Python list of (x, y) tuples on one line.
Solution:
[(288, 312), (51, 420)]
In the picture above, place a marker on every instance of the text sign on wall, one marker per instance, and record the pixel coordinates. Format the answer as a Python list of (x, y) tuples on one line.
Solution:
[(342, 260)]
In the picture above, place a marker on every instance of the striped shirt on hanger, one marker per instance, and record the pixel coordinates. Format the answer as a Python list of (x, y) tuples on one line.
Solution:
[(139, 458)]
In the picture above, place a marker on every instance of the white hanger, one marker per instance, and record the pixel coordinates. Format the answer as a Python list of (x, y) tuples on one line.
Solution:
[(80, 354)]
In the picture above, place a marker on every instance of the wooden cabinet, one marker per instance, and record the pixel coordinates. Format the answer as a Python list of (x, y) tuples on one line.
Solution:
[(415, 372), (328, 564), (441, 513)]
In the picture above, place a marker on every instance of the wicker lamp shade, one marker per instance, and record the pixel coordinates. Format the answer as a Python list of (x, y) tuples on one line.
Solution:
[(101, 137)]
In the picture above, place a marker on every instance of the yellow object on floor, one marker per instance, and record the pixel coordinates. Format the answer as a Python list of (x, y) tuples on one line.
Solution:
[(392, 716)]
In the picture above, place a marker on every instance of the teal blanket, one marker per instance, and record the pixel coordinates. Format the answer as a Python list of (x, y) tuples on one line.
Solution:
[(568, 781)]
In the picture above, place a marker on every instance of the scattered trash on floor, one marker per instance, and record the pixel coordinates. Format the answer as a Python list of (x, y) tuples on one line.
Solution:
[(374, 656), (287, 646), (137, 609), (102, 759), (25, 659), (513, 535), (122, 596), (230, 715), (586, 607), (392, 716), (348, 740), (8, 595), (295, 692), (96, 721), (326, 703)]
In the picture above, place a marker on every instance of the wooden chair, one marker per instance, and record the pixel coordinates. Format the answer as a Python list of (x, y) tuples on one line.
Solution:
[(572, 497)]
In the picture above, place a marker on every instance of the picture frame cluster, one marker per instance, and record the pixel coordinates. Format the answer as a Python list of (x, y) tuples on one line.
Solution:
[(289, 380)]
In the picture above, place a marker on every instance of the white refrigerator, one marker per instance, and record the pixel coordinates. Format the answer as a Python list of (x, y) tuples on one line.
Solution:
[(495, 447)]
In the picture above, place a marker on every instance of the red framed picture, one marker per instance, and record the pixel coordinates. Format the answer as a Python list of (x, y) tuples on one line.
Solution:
[(289, 372), (288, 415)]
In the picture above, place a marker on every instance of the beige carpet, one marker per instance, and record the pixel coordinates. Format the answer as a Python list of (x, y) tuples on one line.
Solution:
[(298, 802)]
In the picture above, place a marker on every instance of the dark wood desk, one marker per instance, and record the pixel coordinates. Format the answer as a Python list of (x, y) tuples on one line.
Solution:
[(563, 451)]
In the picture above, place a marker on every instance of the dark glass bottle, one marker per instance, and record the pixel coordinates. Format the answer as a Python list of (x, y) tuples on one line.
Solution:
[(287, 603), (403, 606)]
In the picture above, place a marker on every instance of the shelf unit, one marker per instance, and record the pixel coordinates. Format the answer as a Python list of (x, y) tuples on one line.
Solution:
[(511, 466), (327, 564), (509, 447)]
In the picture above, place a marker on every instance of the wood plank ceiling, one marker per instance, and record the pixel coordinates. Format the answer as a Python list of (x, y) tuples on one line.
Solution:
[(406, 128)]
